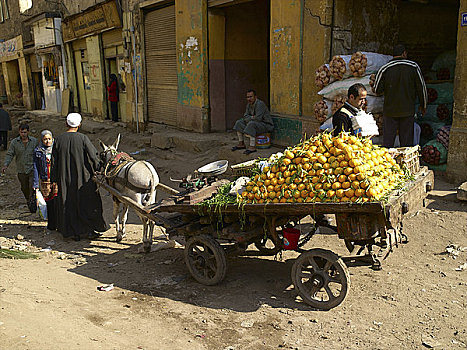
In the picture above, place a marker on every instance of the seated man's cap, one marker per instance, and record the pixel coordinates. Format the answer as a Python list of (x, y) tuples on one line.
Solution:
[(73, 119)]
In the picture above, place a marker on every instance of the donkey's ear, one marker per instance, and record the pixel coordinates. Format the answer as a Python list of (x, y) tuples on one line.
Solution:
[(104, 147), (116, 143)]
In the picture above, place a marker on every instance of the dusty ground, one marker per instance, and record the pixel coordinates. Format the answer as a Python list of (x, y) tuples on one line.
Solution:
[(418, 300)]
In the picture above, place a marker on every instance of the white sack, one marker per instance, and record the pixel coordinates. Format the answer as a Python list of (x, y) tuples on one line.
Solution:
[(342, 86)]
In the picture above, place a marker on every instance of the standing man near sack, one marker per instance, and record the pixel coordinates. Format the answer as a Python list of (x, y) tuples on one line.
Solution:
[(401, 82), (78, 205), (256, 120), (22, 148), (5, 126)]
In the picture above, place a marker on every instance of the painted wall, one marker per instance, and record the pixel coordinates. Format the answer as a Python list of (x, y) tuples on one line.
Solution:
[(285, 60), (316, 46), (96, 75), (457, 157), (192, 68), (216, 35)]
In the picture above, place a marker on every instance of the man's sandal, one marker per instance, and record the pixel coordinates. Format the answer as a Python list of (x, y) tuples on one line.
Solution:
[(249, 151), (235, 148)]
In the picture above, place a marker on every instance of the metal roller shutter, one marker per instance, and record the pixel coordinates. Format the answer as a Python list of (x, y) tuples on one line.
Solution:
[(161, 65)]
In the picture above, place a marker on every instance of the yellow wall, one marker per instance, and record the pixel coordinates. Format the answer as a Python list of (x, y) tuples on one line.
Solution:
[(192, 67), (96, 71), (285, 57)]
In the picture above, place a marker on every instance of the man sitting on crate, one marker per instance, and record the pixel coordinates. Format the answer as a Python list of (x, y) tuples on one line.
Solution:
[(256, 120)]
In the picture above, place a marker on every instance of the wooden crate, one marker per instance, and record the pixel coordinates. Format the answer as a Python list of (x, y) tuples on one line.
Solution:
[(244, 169), (408, 157)]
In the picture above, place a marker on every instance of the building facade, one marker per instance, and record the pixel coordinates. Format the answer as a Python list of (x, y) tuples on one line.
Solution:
[(188, 63)]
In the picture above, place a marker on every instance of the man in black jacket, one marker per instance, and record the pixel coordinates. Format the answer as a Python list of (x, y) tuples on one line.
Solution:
[(402, 82), (342, 119)]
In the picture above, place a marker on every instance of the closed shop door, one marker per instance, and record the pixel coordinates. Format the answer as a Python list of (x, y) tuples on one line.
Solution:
[(161, 65)]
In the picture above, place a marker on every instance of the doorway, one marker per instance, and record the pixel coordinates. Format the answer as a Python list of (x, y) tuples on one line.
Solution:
[(111, 68), (243, 61)]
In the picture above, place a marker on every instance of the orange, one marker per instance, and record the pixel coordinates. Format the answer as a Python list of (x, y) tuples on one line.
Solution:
[(340, 193), (267, 182), (342, 178), (348, 171), (286, 161), (318, 186), (322, 159), (283, 200), (359, 192), (352, 177), (301, 187), (346, 185), (336, 185), (298, 160), (343, 164), (338, 171), (355, 184), (327, 186), (330, 193), (349, 193)]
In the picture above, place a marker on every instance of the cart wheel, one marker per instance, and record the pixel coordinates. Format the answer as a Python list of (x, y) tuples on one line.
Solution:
[(267, 246), (205, 259), (321, 278)]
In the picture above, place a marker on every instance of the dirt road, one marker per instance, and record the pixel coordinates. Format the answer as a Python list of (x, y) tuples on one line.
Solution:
[(418, 300)]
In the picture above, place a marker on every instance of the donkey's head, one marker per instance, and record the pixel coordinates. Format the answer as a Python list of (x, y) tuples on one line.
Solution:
[(109, 151)]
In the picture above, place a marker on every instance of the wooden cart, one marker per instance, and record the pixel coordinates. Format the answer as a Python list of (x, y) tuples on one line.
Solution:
[(320, 276)]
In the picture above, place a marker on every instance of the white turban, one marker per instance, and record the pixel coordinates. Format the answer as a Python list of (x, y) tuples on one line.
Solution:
[(73, 120)]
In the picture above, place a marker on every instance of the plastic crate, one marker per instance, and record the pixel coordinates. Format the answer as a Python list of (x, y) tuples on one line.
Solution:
[(244, 169), (408, 157)]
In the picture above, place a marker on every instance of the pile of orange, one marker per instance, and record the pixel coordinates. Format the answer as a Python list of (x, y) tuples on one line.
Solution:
[(324, 168)]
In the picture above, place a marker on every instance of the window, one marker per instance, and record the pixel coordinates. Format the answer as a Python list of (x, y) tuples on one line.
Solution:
[(24, 5)]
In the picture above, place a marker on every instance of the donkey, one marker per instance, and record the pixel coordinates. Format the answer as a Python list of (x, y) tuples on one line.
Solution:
[(134, 179)]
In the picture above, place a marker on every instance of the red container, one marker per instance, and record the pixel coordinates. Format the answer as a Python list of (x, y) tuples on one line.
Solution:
[(290, 240)]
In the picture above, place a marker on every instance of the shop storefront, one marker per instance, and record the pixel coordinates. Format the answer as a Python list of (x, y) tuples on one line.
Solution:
[(50, 59), (94, 44), (14, 69)]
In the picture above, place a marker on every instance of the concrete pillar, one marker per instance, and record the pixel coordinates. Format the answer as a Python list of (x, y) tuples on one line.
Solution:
[(192, 65), (7, 82), (286, 63), (457, 155), (25, 74), (96, 77)]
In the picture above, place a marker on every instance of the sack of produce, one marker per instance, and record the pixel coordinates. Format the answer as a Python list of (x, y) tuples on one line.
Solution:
[(440, 93), (323, 76), (364, 63), (434, 153), (341, 87), (323, 110), (338, 102), (364, 124), (443, 136), (339, 67), (324, 168), (430, 129), (436, 113), (374, 104), (446, 60)]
